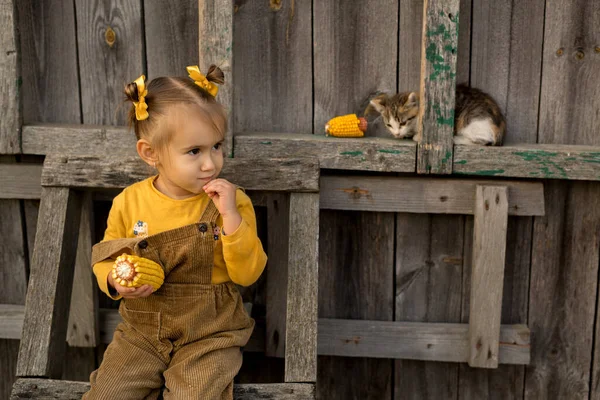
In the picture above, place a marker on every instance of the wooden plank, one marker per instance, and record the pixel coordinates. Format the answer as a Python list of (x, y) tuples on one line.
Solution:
[(422, 195), (20, 181), (507, 381), (487, 274), (27, 388), (50, 89), (370, 154), (118, 172), (428, 341), (564, 275), (110, 47), (278, 215), (427, 290), (171, 31), (215, 37), (437, 86), (10, 124), (45, 324), (539, 161), (78, 140), (281, 76), (83, 314), (11, 319), (13, 282), (303, 274), (345, 74), (356, 281)]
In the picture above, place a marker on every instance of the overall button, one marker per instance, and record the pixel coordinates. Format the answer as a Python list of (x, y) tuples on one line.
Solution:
[(202, 228), (143, 244)]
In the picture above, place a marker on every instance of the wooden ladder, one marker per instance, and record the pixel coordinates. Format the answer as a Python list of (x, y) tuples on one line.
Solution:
[(64, 180)]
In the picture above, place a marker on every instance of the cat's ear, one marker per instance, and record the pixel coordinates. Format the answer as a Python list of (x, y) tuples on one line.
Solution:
[(413, 100), (377, 104)]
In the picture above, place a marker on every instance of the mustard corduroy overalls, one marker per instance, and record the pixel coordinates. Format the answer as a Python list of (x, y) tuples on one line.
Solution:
[(185, 339)]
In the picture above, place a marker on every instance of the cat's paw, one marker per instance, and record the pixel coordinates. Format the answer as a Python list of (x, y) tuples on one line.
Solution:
[(417, 137), (462, 140)]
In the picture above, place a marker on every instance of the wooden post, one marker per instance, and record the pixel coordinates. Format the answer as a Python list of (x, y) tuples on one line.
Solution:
[(83, 316), (45, 324), (10, 123), (301, 324), (437, 89), (278, 214), (487, 276), (216, 47)]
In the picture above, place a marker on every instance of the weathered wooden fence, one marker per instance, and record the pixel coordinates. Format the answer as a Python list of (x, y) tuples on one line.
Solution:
[(298, 63)]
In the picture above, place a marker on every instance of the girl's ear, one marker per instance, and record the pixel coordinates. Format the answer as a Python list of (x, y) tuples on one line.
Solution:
[(147, 152)]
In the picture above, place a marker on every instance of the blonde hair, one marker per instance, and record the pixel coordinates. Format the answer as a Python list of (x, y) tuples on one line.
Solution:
[(167, 92)]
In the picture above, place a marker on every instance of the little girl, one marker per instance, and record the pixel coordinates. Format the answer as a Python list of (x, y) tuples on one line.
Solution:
[(181, 337)]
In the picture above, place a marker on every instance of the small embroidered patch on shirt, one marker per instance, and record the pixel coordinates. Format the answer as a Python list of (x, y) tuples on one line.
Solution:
[(140, 229), (216, 232)]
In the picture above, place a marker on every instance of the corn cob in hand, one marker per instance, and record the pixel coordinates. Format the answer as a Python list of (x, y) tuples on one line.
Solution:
[(346, 126), (134, 271)]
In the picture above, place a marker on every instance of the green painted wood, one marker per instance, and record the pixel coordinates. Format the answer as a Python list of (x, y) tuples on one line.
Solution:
[(437, 86)]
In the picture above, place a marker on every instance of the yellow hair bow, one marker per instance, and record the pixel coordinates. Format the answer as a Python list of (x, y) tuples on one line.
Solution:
[(202, 81), (141, 107)]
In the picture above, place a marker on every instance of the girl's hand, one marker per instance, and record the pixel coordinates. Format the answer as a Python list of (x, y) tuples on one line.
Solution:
[(222, 194), (130, 292)]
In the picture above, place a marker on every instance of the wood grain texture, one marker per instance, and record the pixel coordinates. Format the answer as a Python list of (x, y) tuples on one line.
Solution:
[(278, 216), (13, 282), (105, 68), (11, 320), (82, 328), (487, 274), (422, 195), (300, 175), (507, 381), (302, 289), (428, 289), (27, 388), (356, 282), (171, 33), (10, 80), (439, 44), (50, 89), (364, 154), (45, 324), (428, 341), (215, 37), (273, 67), (354, 50), (533, 161), (20, 181), (565, 257)]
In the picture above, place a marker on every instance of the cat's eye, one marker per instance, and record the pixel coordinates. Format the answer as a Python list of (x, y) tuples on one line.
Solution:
[(388, 125), (402, 123)]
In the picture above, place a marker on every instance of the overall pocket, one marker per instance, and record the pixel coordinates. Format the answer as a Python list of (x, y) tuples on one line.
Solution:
[(146, 323)]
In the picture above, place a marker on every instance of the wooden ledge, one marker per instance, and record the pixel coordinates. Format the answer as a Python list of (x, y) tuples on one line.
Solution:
[(37, 388)]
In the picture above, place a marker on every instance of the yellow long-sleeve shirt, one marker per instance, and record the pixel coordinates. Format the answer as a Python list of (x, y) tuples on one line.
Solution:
[(142, 210)]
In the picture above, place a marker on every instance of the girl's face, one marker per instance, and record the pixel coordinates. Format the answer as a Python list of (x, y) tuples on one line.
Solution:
[(193, 156)]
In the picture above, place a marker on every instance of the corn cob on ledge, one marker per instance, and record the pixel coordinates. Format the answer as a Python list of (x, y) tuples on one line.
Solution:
[(346, 126)]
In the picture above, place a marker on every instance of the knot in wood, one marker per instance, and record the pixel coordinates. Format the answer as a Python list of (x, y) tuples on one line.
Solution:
[(110, 36), (579, 55)]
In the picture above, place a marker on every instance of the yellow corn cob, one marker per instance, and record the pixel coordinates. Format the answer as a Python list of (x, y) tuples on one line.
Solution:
[(134, 271), (346, 126)]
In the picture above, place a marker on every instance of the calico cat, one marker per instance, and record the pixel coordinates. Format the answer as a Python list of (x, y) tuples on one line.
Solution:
[(477, 118)]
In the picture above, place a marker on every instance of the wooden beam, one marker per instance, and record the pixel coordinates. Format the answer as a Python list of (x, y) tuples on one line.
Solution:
[(428, 341), (422, 195), (35, 388), (301, 321), (110, 172), (20, 181), (535, 161), (487, 275), (11, 321), (363, 154), (10, 123), (438, 86), (82, 328), (215, 41), (51, 278)]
